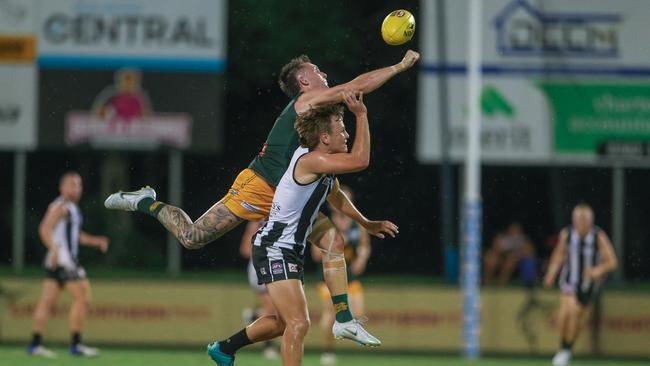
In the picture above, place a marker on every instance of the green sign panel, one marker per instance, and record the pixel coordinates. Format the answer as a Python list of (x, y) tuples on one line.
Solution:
[(587, 115)]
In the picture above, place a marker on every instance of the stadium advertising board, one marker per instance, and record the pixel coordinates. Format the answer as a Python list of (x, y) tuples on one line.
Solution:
[(560, 79), (144, 33), (18, 75), (131, 75), (415, 318)]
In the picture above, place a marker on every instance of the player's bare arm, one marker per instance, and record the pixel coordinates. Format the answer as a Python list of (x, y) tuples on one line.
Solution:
[(318, 162), (95, 241), (338, 199), (358, 265), (608, 262), (556, 259), (245, 246), (366, 83), (53, 214)]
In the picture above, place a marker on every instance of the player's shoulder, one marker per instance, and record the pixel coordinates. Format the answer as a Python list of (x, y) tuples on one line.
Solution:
[(564, 233), (59, 207), (601, 234)]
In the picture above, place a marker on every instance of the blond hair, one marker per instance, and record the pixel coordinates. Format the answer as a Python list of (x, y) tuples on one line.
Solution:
[(311, 124)]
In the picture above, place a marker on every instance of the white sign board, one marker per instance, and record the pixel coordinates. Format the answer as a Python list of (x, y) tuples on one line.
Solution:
[(17, 107), (143, 33), (535, 54)]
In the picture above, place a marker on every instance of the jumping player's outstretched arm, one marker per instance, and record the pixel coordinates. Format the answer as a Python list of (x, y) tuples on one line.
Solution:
[(338, 199), (556, 259), (365, 83)]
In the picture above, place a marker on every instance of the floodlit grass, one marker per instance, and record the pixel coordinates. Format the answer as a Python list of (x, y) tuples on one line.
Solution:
[(17, 356)]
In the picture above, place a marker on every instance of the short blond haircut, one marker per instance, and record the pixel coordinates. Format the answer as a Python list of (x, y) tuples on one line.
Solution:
[(311, 124)]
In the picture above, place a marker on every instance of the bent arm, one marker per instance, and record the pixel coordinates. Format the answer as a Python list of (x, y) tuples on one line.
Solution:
[(46, 227), (96, 241), (88, 239), (608, 261), (339, 200), (245, 246), (364, 249), (356, 160)]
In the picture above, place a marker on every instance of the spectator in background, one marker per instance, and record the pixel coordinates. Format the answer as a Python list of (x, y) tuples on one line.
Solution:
[(511, 249)]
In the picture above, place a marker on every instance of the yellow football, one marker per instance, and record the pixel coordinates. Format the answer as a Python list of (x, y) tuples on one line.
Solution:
[(398, 27)]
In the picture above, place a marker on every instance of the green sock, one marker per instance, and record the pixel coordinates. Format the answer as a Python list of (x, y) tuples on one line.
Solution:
[(342, 308), (150, 207)]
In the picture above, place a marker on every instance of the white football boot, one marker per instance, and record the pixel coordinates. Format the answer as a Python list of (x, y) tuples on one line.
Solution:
[(562, 358), (41, 352), (353, 330), (128, 201), (84, 351)]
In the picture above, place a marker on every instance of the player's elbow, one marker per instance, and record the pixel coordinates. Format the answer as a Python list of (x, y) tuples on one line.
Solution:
[(361, 163), (613, 264), (43, 233)]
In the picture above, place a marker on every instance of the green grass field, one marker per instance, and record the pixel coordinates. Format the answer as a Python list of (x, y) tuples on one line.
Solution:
[(16, 356)]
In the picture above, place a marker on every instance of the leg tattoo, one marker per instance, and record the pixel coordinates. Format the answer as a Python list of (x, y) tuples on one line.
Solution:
[(215, 222)]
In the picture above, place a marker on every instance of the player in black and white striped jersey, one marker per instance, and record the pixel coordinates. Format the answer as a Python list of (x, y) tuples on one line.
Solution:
[(279, 246), (60, 230), (583, 257)]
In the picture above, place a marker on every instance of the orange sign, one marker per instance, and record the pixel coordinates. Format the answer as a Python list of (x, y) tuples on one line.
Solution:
[(17, 49)]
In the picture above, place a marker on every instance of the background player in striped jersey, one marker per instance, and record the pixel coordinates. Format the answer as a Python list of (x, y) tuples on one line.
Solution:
[(251, 194), (583, 257), (264, 304), (60, 231), (357, 253), (279, 246)]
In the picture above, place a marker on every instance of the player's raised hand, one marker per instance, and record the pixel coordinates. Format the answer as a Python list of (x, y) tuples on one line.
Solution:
[(410, 58), (381, 228), (354, 103)]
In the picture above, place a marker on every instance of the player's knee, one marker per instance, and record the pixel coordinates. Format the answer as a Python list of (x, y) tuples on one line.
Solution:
[(42, 313), (83, 300), (338, 245), (575, 311), (298, 325)]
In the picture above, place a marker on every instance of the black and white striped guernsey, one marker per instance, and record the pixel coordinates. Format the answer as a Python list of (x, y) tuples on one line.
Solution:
[(66, 235), (581, 254), (294, 209)]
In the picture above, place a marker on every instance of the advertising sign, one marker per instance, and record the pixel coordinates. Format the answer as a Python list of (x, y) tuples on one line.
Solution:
[(18, 75), (416, 318), (130, 109), (569, 75), (147, 34), (17, 107)]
